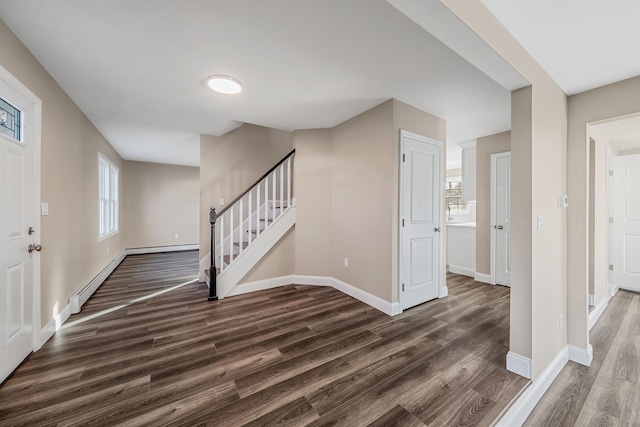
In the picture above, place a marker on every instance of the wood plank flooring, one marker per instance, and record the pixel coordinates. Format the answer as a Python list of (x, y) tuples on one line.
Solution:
[(293, 355), (608, 392)]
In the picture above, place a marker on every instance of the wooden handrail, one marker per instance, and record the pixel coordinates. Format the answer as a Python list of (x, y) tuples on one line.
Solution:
[(291, 153)]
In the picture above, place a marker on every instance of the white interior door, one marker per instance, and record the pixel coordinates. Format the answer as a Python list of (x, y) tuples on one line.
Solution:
[(16, 216), (502, 218), (420, 206), (626, 223)]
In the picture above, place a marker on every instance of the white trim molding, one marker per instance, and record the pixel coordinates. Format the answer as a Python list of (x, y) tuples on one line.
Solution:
[(519, 364), (261, 285), (389, 308), (597, 312), (82, 295), (469, 272), (581, 355), (54, 324), (160, 249), (592, 299), (517, 414), (483, 278)]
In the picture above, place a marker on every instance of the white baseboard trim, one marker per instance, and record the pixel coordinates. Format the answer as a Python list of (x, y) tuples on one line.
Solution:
[(517, 414), (54, 324), (384, 306), (80, 296), (519, 364), (592, 299), (261, 285), (483, 278), (470, 272), (597, 312), (159, 249), (581, 355), (444, 292), (613, 289)]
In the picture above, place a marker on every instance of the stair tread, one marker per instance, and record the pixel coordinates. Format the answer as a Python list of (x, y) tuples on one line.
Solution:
[(244, 244)]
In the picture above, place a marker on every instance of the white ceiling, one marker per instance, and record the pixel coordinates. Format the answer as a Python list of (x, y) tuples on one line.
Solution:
[(622, 134), (581, 44), (137, 69)]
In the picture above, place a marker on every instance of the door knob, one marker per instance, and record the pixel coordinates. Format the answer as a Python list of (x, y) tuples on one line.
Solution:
[(437, 229), (32, 248), (499, 227)]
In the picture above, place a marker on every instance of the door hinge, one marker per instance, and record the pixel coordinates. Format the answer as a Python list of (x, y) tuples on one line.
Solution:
[(403, 287), (610, 220), (611, 267), (403, 222), (610, 173), (403, 157)]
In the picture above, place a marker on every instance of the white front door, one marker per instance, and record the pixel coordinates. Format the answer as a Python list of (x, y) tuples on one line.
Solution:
[(420, 205), (16, 216), (502, 218), (626, 223)]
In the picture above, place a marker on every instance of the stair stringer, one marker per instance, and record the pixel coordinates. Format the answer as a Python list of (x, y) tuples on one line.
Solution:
[(243, 263)]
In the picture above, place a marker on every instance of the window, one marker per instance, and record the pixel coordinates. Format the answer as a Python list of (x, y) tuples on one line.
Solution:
[(107, 198), (453, 192), (10, 121)]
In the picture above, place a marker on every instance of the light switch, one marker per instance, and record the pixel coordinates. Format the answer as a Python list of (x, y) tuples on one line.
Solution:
[(221, 201), (540, 222), (45, 209)]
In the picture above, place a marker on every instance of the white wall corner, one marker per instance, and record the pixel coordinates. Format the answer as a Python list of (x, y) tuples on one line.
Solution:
[(517, 414), (519, 364), (597, 312), (581, 355), (54, 324), (483, 278)]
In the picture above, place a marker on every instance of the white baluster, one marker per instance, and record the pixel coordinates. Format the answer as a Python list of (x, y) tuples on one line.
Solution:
[(230, 234), (273, 197), (250, 216), (289, 181), (257, 210), (266, 202), (281, 189), (221, 264), (240, 223)]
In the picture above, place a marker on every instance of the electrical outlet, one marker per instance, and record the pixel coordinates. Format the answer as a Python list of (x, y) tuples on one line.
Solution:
[(176, 236), (346, 262), (540, 222), (107, 250)]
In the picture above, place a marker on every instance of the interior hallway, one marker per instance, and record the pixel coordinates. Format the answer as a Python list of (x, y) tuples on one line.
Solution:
[(301, 355)]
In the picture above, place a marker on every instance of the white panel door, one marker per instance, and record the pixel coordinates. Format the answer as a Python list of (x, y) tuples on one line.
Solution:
[(16, 216), (626, 222), (420, 207), (502, 222)]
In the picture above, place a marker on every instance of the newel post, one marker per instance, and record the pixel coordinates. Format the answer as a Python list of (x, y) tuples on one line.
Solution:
[(212, 272)]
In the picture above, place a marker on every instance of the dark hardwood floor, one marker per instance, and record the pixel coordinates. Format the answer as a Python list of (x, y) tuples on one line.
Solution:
[(293, 355), (607, 393)]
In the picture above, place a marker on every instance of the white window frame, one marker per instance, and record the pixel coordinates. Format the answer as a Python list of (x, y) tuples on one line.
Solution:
[(108, 196)]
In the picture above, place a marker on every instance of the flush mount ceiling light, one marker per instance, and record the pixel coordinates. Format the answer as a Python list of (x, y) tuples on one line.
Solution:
[(224, 84)]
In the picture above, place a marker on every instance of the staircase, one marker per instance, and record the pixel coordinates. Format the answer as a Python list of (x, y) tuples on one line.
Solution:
[(247, 228)]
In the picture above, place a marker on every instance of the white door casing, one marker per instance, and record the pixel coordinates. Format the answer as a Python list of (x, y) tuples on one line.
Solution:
[(501, 218), (19, 202), (626, 223), (420, 220)]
